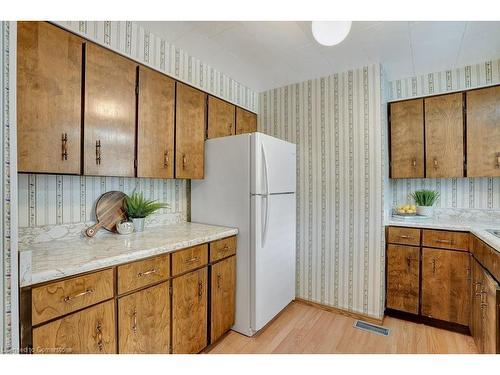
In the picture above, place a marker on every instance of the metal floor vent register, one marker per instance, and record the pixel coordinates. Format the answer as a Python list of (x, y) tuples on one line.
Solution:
[(371, 328)]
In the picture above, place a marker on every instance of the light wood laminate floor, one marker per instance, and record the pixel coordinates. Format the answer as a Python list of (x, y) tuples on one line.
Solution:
[(306, 329)]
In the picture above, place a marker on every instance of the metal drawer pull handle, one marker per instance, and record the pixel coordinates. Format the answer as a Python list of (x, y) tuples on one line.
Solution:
[(405, 237), (165, 159), (498, 160), (433, 266), (435, 163), (145, 273), (414, 162), (200, 289), (476, 284), (64, 140), (86, 292), (184, 161), (445, 241), (192, 260), (134, 325), (98, 152)]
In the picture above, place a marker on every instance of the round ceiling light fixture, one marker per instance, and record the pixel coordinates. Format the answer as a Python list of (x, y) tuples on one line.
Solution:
[(330, 33)]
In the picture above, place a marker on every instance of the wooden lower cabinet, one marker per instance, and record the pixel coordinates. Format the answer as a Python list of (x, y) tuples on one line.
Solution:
[(144, 321), (446, 285), (403, 278), (222, 297), (484, 325), (88, 331), (190, 312)]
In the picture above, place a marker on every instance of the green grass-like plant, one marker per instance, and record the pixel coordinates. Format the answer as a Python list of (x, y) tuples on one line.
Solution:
[(425, 197), (139, 207)]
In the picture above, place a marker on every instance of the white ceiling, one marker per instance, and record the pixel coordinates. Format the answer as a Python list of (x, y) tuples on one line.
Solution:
[(265, 55)]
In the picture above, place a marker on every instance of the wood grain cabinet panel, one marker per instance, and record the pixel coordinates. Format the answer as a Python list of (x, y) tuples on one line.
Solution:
[(190, 132), (444, 136), (142, 273), (246, 121), (49, 86), (446, 285), (403, 272), (403, 236), (144, 321), (407, 139), (445, 239), (483, 132), (189, 259), (221, 118), (155, 124), (189, 312), (59, 298), (109, 116), (90, 331), (222, 248), (223, 294)]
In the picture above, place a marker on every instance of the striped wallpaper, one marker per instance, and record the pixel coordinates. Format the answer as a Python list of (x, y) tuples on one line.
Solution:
[(56, 199), (473, 193), (336, 122)]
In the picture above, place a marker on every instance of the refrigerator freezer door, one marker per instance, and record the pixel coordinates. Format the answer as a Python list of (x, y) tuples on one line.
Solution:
[(273, 165), (273, 258)]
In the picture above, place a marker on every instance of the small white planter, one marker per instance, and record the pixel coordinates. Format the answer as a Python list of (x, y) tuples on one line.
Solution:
[(138, 223), (425, 210)]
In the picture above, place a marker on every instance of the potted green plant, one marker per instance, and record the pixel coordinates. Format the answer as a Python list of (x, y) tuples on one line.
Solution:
[(425, 199), (138, 208)]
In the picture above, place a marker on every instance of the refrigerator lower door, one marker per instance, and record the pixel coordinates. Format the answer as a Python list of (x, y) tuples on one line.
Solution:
[(273, 256)]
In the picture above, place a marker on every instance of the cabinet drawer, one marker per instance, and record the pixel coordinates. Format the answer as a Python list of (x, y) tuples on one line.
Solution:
[(63, 297), (445, 240), (189, 259), (142, 273), (403, 236), (222, 248)]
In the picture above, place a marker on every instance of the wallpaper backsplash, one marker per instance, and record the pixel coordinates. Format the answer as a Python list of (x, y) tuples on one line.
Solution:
[(336, 123), (468, 193), (57, 199)]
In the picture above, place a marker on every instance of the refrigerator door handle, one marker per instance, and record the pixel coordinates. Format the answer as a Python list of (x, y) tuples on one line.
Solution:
[(266, 219), (264, 159)]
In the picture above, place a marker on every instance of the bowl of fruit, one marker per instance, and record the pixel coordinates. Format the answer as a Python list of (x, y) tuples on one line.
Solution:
[(406, 210)]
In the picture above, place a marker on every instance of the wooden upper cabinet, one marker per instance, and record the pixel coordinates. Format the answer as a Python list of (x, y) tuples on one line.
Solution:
[(190, 132), (155, 127), (446, 285), (444, 136), (189, 312), (403, 272), (223, 294), (88, 331), (221, 118), (483, 132), (109, 117), (407, 139), (144, 321), (246, 121), (49, 86)]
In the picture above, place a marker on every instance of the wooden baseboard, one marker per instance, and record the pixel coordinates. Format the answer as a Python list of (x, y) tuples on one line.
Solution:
[(350, 314)]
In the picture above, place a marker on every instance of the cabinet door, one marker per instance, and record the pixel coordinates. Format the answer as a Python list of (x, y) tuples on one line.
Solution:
[(446, 285), (476, 325), (223, 292), (444, 136), (88, 331), (489, 307), (407, 139), (49, 86), (109, 119), (246, 122), (483, 132), (155, 125), (403, 263), (221, 118), (144, 321), (189, 312), (190, 132)]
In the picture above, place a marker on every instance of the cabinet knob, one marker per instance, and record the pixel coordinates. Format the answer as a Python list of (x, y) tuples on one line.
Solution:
[(64, 140), (414, 163), (184, 161), (165, 159), (435, 163), (200, 288)]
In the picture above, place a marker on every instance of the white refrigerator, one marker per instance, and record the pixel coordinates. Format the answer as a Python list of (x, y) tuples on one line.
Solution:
[(250, 184)]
